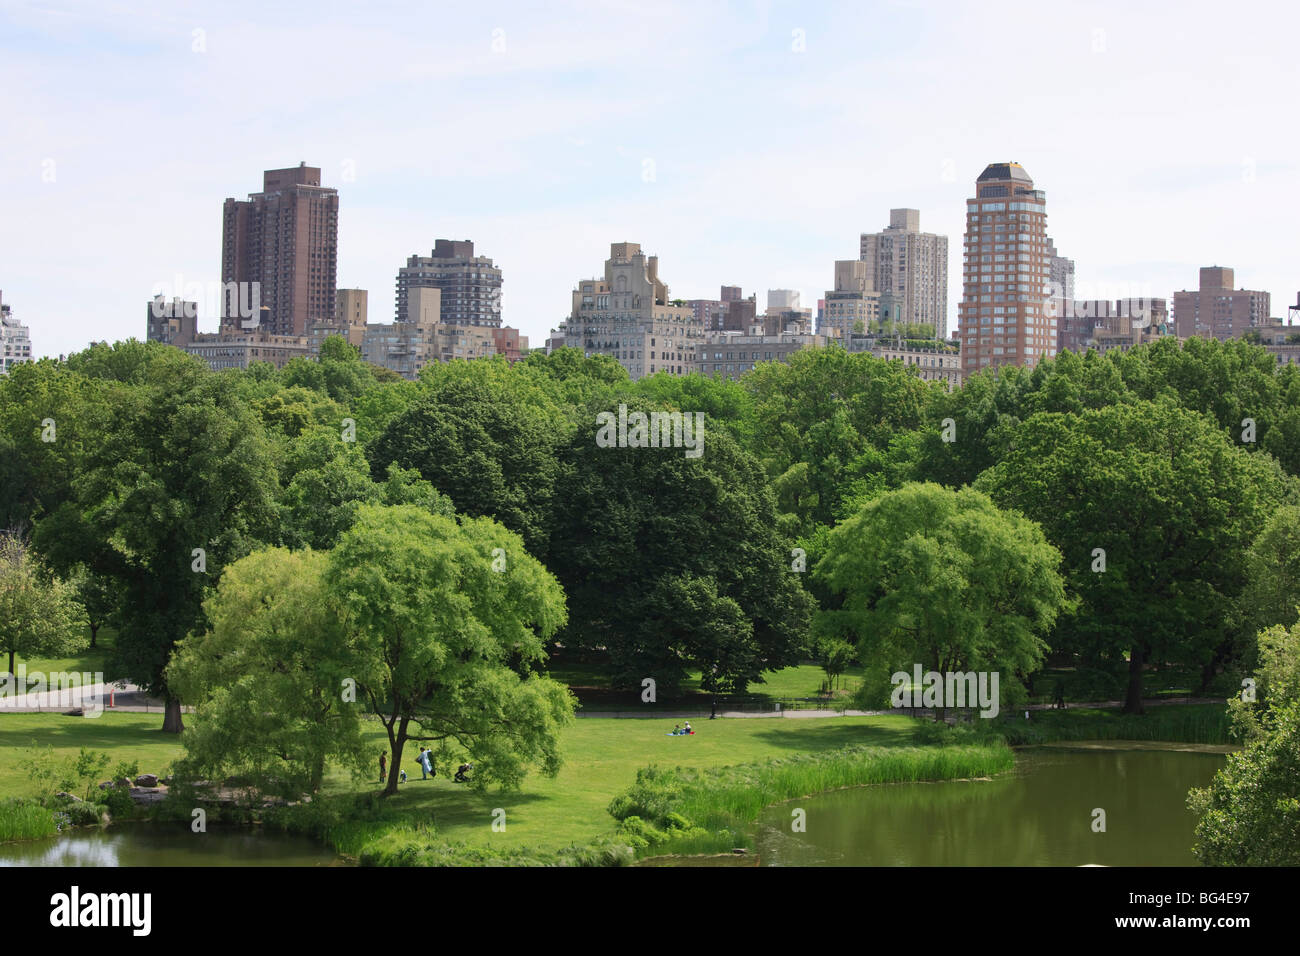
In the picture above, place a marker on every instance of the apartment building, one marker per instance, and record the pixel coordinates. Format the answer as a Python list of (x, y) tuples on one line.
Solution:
[(470, 284), (912, 265), (853, 305), (627, 314), (171, 321), (731, 354), (937, 362), (1217, 310), (222, 350), (284, 242), (1006, 316), (15, 340)]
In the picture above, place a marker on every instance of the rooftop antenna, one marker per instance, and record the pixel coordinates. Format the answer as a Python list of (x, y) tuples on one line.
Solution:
[(1292, 311)]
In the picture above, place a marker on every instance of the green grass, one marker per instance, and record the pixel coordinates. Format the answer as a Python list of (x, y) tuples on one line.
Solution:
[(125, 736), (602, 757), (25, 820), (92, 660), (1180, 723)]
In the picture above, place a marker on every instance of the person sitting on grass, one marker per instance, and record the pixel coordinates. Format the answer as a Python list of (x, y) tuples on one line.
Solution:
[(677, 730), (688, 730), (461, 771)]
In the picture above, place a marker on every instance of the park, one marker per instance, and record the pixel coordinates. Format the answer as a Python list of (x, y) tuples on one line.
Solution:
[(456, 566)]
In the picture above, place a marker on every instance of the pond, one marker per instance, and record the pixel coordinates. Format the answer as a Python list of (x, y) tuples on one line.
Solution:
[(146, 844), (1040, 814)]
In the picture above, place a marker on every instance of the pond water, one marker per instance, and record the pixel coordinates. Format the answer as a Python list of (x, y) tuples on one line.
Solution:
[(1040, 814), (145, 844)]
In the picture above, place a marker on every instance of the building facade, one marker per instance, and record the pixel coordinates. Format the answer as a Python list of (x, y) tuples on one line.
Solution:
[(626, 314), (470, 284), (1006, 316), (172, 321), (938, 362), (903, 261), (854, 300), (283, 242), (15, 340), (731, 354), (1218, 311), (222, 350)]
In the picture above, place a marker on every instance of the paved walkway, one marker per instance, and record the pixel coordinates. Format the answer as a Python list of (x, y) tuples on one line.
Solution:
[(122, 695)]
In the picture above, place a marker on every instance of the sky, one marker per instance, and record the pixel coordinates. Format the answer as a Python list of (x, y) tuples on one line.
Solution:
[(745, 143)]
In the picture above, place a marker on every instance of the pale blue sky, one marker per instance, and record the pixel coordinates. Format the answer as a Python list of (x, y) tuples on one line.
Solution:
[(1164, 136)]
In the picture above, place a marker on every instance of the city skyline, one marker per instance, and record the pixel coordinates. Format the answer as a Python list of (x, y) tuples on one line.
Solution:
[(773, 150)]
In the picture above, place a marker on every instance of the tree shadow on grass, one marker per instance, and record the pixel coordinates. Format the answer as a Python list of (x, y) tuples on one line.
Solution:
[(822, 737)]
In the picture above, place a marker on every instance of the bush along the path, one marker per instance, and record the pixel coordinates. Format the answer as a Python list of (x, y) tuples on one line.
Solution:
[(685, 811)]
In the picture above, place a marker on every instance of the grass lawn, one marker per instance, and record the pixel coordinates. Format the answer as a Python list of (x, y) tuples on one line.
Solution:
[(602, 757), (91, 660), (125, 736)]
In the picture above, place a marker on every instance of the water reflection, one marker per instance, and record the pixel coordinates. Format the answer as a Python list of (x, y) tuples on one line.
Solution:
[(156, 845), (1040, 815)]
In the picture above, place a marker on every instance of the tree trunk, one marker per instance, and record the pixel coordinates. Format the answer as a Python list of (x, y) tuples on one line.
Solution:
[(172, 723), (398, 741), (94, 630), (21, 690), (1133, 703)]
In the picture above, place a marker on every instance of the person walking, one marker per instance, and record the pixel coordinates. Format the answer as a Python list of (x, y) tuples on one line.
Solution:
[(426, 763)]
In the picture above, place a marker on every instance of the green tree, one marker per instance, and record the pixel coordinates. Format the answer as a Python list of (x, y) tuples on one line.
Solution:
[(1272, 591), (1153, 508), (944, 579), (270, 679), (1250, 813), (641, 533), (182, 484), (448, 619), (836, 413), (484, 440), (39, 614)]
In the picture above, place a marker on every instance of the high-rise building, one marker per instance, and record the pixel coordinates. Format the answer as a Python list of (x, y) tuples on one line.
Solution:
[(731, 293), (627, 315), (285, 240), (470, 284), (1006, 312), (853, 305), (15, 340), (1217, 310), (911, 266)]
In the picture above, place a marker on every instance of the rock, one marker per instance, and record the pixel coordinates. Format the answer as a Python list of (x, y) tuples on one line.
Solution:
[(124, 782), (69, 796), (147, 780), (147, 795), (739, 850), (106, 784)]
